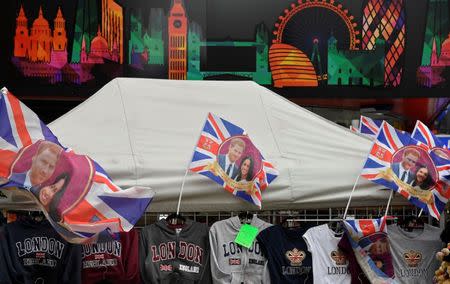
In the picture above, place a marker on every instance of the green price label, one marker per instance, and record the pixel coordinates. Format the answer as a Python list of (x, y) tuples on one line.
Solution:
[(246, 235)]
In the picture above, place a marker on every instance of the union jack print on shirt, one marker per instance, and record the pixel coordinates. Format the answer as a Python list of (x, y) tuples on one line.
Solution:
[(379, 169), (90, 205), (218, 132)]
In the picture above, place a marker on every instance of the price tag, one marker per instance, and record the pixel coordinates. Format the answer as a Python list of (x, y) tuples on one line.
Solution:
[(246, 235)]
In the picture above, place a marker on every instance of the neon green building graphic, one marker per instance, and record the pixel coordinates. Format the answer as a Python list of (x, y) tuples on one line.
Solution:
[(356, 67), (261, 75), (86, 24), (436, 28), (146, 45)]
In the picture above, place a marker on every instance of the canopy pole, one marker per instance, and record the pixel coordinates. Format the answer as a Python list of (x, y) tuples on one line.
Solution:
[(350, 198), (181, 191), (389, 203)]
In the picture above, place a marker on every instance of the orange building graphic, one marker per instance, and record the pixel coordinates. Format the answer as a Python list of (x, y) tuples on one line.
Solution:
[(99, 51), (112, 26), (40, 40), (177, 54), (21, 39), (39, 45), (59, 32), (291, 67)]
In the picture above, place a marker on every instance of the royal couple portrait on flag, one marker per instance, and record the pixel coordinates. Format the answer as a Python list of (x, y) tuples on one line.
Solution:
[(416, 166), (225, 154), (75, 193)]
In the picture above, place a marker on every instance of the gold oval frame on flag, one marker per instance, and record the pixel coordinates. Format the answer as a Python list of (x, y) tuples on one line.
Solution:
[(249, 151)]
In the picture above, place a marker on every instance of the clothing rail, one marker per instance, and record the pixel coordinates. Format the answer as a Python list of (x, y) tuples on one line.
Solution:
[(305, 215)]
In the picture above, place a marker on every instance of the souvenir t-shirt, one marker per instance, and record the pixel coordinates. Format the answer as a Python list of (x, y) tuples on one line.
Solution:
[(288, 258), (116, 261), (171, 255), (414, 253), (233, 263), (35, 253), (329, 262)]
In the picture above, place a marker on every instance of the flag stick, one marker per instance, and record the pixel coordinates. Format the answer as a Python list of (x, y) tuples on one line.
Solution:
[(420, 213), (181, 190), (350, 198), (357, 179), (389, 203), (189, 163)]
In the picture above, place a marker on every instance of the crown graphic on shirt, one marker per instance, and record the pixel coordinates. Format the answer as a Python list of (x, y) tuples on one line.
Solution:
[(412, 258), (295, 256), (338, 257)]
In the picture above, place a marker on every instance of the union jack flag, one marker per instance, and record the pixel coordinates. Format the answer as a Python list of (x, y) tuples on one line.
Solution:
[(440, 155), (211, 159), (423, 134), (370, 244), (380, 168), (369, 126), (354, 129), (82, 210)]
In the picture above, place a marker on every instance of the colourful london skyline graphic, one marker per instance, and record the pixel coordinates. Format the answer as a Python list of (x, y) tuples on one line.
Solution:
[(40, 52), (311, 44), (436, 45), (386, 19)]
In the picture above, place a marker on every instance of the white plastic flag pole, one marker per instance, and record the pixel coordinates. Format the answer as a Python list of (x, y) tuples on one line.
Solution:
[(389, 203), (350, 198), (181, 190), (187, 168), (420, 213)]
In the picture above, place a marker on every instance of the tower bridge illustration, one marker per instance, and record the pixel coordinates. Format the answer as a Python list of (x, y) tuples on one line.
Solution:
[(228, 55)]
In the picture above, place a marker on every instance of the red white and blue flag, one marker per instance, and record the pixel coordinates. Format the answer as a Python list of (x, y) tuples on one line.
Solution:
[(440, 155), (354, 129), (423, 134), (75, 193), (391, 150), (370, 245), (369, 126), (225, 154)]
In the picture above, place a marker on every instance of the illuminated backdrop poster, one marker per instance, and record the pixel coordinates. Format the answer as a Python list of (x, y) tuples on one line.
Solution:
[(387, 45)]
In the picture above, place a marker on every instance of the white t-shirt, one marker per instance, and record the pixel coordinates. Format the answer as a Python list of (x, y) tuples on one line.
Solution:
[(330, 266)]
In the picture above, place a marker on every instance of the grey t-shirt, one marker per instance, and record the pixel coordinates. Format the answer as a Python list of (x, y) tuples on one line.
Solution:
[(414, 253)]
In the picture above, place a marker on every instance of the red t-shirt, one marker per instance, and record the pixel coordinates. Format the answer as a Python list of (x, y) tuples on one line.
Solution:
[(115, 261), (358, 275)]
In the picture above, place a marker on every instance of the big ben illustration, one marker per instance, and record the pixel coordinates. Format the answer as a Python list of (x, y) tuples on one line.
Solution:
[(177, 41)]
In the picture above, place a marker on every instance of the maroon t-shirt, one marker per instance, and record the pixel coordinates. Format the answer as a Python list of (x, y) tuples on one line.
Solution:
[(115, 261), (358, 276)]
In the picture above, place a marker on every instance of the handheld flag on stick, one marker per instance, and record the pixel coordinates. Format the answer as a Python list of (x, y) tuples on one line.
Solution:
[(354, 129), (423, 134), (369, 126), (440, 155), (225, 154), (370, 245), (405, 165), (73, 191)]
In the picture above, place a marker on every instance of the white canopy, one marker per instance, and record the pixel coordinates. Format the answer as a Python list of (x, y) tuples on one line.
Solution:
[(143, 132)]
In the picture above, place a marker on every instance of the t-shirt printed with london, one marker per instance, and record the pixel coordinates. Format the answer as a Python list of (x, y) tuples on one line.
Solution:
[(414, 253), (289, 260), (329, 262)]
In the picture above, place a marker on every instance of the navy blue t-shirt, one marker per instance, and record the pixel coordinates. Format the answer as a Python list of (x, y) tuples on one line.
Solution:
[(33, 252), (288, 258)]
